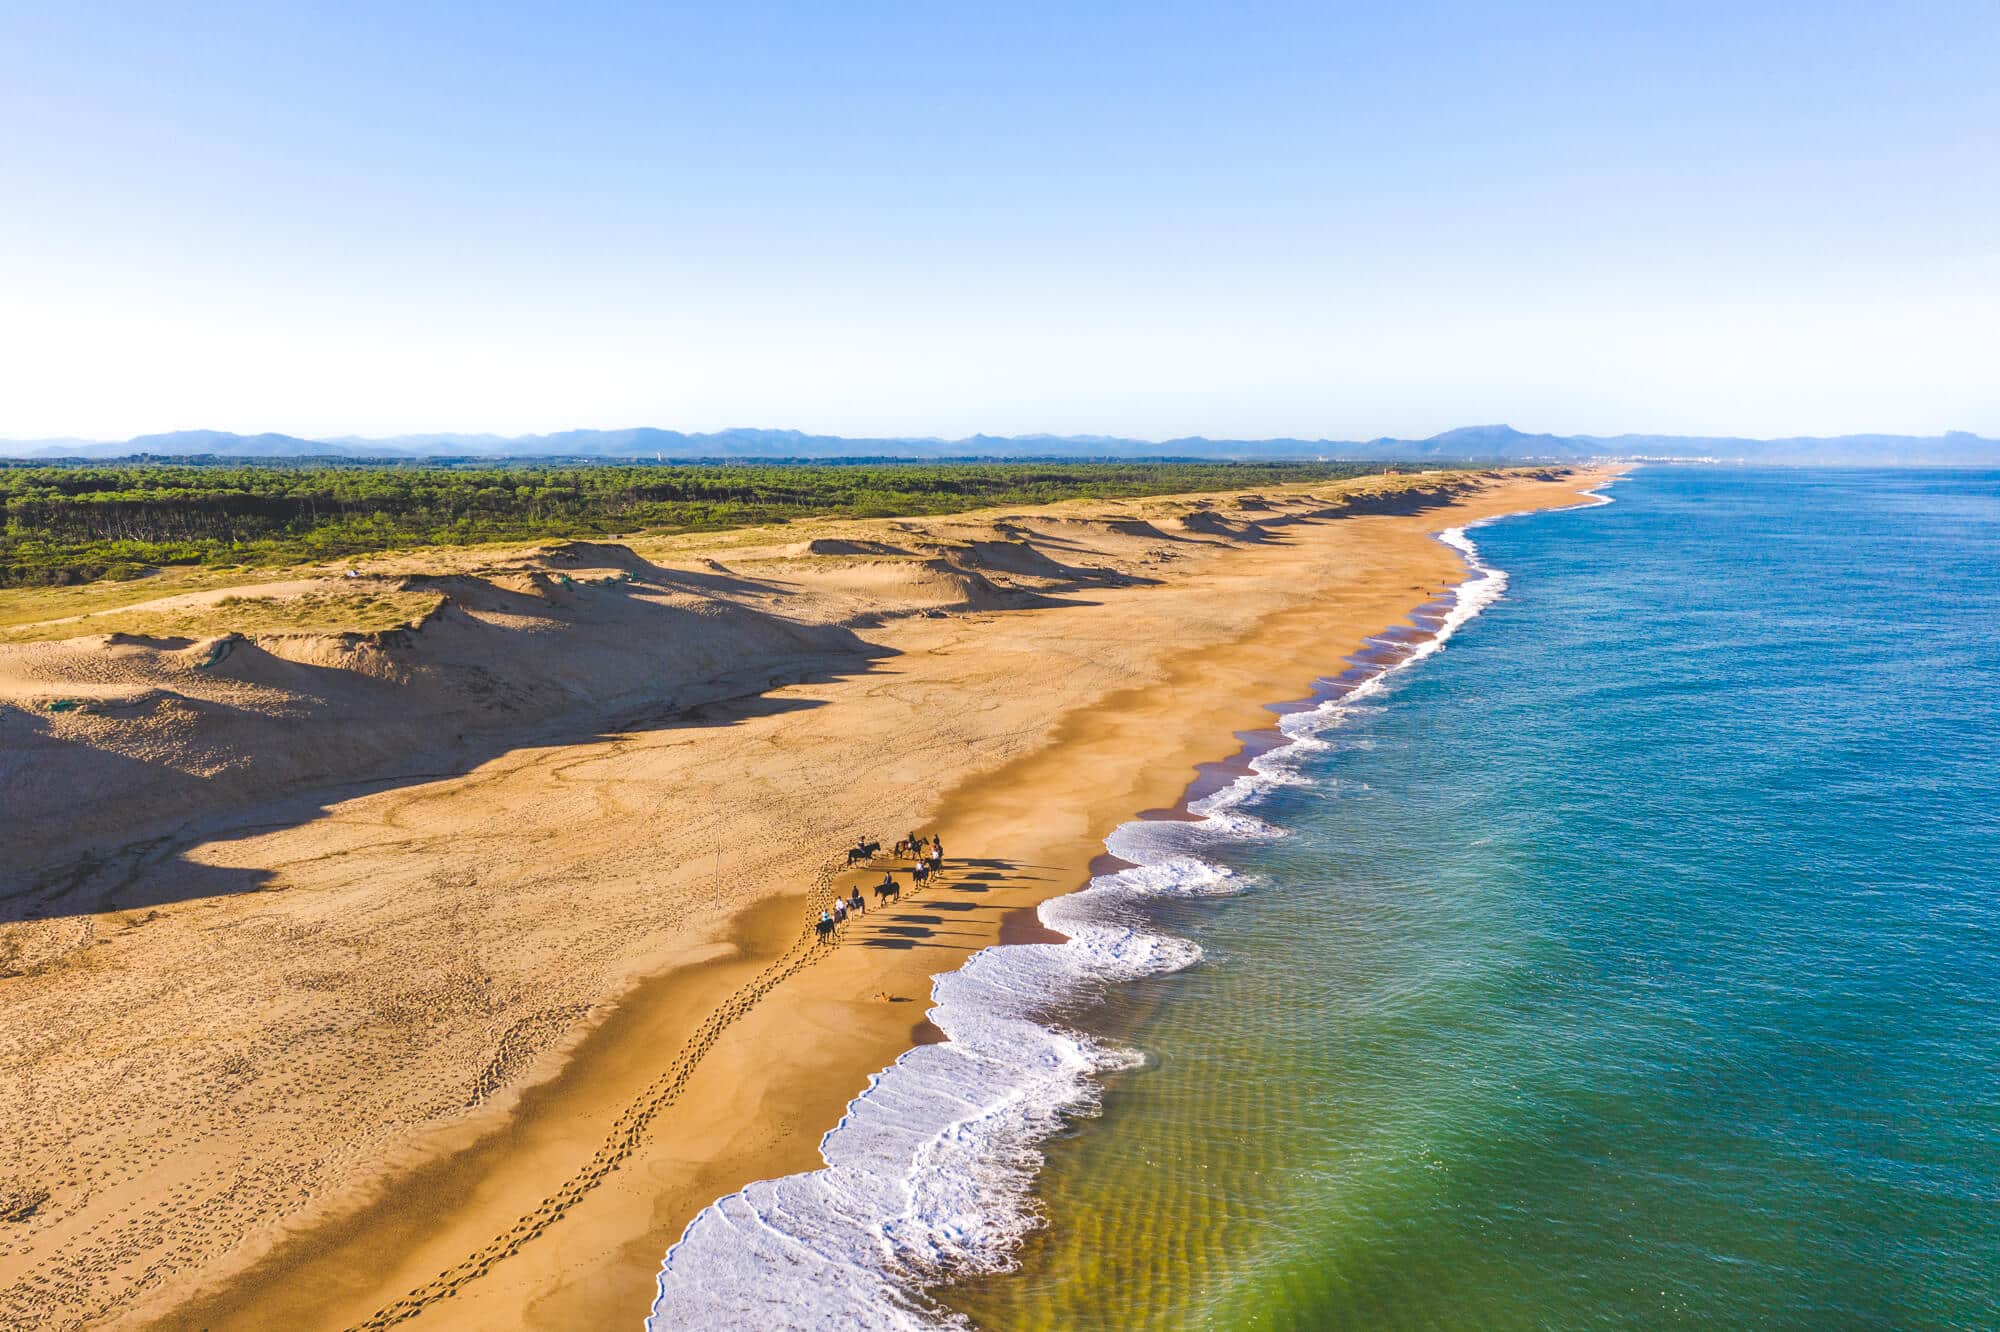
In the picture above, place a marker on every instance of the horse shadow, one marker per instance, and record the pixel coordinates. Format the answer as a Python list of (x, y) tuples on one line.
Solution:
[(957, 896)]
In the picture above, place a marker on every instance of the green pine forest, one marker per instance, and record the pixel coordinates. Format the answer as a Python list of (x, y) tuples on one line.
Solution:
[(76, 523)]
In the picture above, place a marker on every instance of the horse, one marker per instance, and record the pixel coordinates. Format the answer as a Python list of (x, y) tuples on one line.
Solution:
[(855, 904), (920, 874), (862, 851), (823, 927), (888, 891)]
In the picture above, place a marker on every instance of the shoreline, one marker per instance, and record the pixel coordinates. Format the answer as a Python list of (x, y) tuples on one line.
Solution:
[(691, 1292), (1018, 833)]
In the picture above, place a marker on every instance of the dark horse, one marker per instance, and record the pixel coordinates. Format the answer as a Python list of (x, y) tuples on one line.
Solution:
[(863, 851), (888, 890), (823, 927)]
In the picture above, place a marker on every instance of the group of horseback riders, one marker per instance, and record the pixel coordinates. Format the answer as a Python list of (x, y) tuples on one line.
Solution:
[(928, 855)]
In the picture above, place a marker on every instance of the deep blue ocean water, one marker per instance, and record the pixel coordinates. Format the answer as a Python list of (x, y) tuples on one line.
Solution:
[(1633, 962)]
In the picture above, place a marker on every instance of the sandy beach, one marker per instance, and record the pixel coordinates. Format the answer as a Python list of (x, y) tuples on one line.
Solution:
[(439, 974)]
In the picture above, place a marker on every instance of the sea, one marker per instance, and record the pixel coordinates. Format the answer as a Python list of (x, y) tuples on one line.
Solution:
[(1616, 945)]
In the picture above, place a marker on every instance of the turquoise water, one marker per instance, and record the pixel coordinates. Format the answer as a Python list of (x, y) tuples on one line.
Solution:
[(1635, 961)]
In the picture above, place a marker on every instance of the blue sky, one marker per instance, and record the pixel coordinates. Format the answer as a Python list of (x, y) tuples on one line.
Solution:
[(1245, 220)]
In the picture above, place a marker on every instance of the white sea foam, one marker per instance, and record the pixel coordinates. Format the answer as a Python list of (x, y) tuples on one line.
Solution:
[(927, 1175)]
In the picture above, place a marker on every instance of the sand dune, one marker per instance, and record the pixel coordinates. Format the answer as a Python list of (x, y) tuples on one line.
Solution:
[(1207, 522), (297, 919), (153, 732)]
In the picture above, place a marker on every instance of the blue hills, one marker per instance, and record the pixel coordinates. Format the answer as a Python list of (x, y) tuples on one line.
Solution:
[(1467, 443)]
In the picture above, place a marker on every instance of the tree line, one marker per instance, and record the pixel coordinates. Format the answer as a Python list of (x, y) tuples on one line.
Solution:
[(81, 522)]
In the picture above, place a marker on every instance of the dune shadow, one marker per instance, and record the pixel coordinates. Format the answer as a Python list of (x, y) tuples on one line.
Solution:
[(717, 581), (176, 810)]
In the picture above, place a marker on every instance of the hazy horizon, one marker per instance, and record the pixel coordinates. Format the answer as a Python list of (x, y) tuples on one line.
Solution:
[(1498, 443), (393, 436)]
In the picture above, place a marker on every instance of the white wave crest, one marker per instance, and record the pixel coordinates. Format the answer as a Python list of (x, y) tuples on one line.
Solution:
[(927, 1174)]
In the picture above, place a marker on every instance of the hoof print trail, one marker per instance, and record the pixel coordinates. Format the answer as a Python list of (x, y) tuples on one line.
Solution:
[(626, 1135)]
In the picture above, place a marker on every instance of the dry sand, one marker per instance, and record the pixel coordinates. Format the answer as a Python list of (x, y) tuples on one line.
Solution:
[(441, 973)]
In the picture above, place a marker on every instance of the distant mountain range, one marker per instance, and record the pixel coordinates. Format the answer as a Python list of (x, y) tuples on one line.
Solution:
[(1481, 443)]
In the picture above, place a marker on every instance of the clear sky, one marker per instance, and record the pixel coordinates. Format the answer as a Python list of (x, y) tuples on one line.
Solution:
[(1320, 220)]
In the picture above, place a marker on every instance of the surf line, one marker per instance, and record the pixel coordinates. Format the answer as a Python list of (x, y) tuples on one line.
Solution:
[(928, 1173)]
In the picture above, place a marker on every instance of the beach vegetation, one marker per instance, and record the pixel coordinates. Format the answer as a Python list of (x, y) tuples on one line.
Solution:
[(80, 523)]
